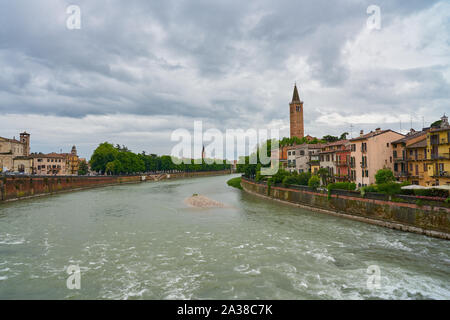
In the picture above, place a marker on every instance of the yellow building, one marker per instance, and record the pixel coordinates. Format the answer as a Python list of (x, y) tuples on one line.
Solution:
[(315, 166), (416, 159), (438, 154), (73, 162)]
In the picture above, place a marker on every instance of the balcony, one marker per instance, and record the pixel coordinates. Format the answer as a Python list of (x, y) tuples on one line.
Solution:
[(418, 158), (341, 163), (440, 156), (442, 174), (363, 165), (401, 174), (399, 159)]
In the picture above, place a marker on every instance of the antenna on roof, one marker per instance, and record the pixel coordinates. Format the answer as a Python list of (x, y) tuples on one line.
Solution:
[(351, 130)]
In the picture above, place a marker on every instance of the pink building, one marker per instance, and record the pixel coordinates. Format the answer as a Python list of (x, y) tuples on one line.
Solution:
[(371, 152)]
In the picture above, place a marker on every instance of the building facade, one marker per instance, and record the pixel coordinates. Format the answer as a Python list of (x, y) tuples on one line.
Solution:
[(416, 157), (370, 153), (296, 116), (400, 153), (333, 157), (304, 157), (50, 164), (12, 150), (438, 153)]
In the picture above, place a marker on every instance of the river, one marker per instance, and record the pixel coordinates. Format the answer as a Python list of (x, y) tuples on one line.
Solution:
[(141, 241)]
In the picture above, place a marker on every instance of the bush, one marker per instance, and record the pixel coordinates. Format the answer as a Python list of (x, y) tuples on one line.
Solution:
[(279, 176), (342, 186), (297, 179), (303, 178), (289, 180), (314, 182), (384, 176), (235, 183), (371, 188), (390, 188), (447, 200), (440, 193)]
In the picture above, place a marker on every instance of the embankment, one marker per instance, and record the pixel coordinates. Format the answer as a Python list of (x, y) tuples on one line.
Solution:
[(431, 220), (23, 187)]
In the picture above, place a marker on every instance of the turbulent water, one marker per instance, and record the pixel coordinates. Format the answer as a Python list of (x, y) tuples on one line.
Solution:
[(143, 242)]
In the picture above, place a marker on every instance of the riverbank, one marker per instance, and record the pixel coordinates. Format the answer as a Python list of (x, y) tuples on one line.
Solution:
[(13, 188), (423, 219)]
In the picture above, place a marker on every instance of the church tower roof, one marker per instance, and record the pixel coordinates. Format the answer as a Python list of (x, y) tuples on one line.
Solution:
[(295, 97)]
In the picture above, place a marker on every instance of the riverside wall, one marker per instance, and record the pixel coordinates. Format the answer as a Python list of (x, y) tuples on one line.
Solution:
[(432, 220), (23, 187)]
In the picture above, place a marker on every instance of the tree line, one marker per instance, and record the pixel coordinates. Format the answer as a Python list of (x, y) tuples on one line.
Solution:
[(110, 159)]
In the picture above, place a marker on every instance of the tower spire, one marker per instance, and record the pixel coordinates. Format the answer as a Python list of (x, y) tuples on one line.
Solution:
[(295, 97)]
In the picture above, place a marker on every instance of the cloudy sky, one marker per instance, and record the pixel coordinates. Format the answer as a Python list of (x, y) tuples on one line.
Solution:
[(137, 70)]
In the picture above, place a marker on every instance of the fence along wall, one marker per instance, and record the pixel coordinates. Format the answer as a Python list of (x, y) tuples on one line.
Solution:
[(429, 220)]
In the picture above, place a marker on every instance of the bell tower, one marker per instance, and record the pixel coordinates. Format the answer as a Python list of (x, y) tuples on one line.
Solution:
[(296, 115), (25, 139)]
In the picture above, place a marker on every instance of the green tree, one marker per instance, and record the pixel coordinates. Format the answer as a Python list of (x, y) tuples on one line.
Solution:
[(343, 136), (329, 138), (104, 154), (384, 176), (324, 175), (314, 182), (83, 168)]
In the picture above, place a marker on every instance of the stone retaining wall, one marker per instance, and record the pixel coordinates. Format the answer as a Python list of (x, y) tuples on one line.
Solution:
[(430, 220)]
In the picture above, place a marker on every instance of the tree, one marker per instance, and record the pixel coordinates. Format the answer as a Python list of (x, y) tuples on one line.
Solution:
[(384, 176), (314, 182), (343, 136), (436, 124), (329, 138), (104, 154), (324, 175), (83, 168)]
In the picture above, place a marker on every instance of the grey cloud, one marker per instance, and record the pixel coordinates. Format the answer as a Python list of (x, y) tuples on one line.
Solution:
[(198, 59)]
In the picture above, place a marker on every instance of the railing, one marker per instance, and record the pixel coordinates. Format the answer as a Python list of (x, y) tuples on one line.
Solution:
[(442, 174), (341, 163), (440, 156), (414, 158), (401, 174), (399, 158)]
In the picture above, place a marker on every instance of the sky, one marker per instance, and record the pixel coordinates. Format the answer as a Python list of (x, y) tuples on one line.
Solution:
[(135, 71)]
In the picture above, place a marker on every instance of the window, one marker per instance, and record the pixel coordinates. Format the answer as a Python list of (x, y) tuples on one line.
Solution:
[(391, 159), (387, 144), (425, 168), (353, 147), (367, 173)]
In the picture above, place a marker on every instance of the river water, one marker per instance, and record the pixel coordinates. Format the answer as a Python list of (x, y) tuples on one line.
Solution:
[(142, 242)]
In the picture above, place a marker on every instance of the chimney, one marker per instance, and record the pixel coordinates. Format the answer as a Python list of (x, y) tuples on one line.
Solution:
[(377, 129), (361, 133)]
